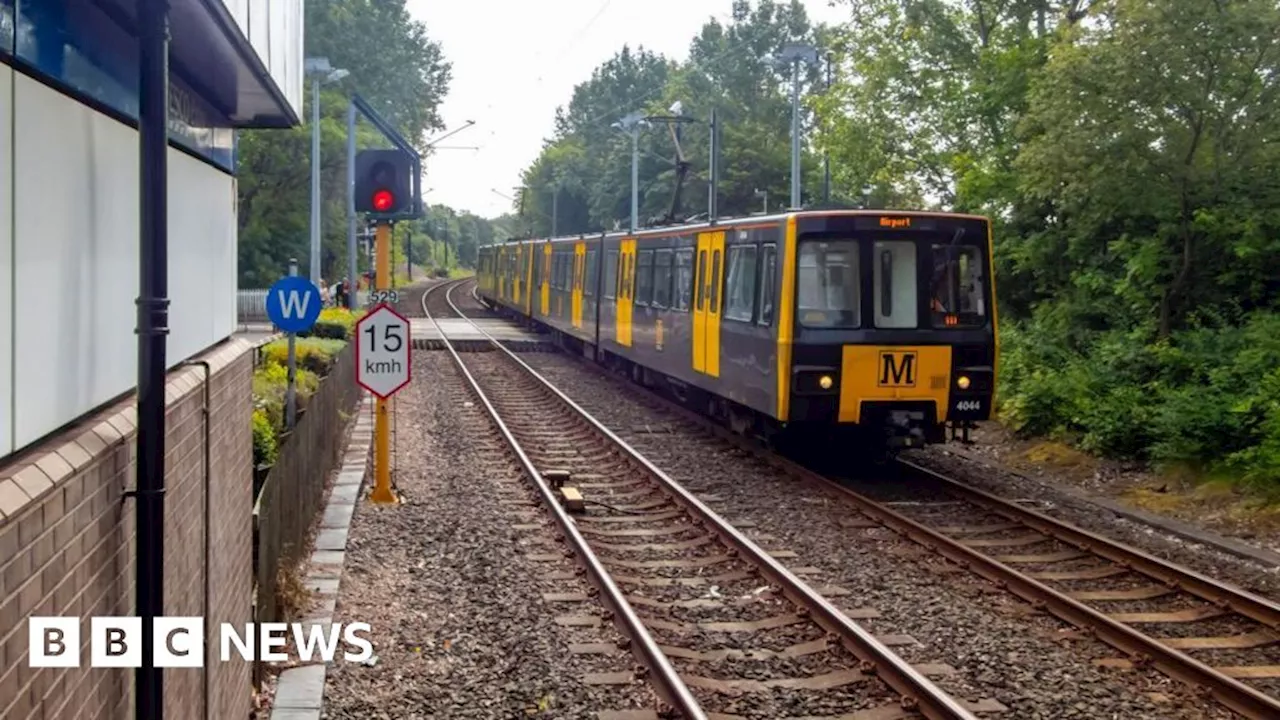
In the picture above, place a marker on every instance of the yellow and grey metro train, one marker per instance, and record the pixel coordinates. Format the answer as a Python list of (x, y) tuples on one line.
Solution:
[(827, 325)]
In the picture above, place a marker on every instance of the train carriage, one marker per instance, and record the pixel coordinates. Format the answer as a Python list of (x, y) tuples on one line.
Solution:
[(821, 325)]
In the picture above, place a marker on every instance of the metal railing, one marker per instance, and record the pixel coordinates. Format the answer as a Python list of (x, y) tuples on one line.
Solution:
[(293, 490), (251, 305)]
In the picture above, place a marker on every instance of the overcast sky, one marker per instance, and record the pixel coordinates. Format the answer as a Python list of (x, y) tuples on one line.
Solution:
[(516, 61)]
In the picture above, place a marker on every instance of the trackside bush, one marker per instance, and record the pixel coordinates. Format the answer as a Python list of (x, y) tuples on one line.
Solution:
[(1205, 398), (271, 383), (334, 323), (265, 449), (314, 354)]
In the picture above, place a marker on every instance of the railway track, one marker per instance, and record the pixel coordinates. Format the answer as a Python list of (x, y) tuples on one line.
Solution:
[(1206, 633), (721, 627)]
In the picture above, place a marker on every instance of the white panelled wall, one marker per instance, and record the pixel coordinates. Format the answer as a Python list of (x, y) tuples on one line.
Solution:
[(6, 259), (275, 30), (70, 264)]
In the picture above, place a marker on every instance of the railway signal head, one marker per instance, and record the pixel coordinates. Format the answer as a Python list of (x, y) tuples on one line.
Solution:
[(383, 181)]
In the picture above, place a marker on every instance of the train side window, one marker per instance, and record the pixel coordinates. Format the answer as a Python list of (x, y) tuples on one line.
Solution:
[(629, 277), (895, 284), (740, 286), (717, 281), (684, 279), (588, 283), (702, 279), (644, 277), (537, 270), (768, 273), (662, 278), (610, 273)]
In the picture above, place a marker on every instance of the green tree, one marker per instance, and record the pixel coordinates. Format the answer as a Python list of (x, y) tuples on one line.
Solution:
[(396, 68)]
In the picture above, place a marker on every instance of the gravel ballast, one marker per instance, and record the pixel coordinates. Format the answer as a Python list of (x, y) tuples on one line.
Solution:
[(454, 590), (1252, 576), (997, 647)]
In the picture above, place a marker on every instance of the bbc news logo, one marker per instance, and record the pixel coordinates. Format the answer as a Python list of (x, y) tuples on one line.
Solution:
[(179, 641)]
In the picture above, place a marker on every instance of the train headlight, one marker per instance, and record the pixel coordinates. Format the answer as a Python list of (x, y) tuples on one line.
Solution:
[(963, 382), (825, 382)]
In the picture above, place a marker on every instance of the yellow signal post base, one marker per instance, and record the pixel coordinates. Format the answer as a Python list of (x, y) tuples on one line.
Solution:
[(382, 493)]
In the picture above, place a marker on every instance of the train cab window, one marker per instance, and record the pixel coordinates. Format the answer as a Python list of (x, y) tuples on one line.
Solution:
[(684, 279), (768, 273), (828, 284), (589, 286), (741, 284), (956, 295), (662, 278), (644, 277), (894, 279), (610, 273)]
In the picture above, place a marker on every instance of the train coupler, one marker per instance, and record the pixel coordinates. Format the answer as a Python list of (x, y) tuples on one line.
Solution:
[(904, 429)]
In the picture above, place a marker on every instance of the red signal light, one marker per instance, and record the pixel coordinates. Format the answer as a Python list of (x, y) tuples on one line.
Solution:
[(383, 200)]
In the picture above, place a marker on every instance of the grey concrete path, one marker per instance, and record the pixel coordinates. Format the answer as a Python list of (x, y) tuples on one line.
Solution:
[(300, 691)]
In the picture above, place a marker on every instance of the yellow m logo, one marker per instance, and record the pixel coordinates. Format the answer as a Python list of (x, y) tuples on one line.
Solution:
[(897, 369)]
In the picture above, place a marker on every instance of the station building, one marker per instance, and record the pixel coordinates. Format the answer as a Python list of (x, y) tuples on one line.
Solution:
[(69, 238)]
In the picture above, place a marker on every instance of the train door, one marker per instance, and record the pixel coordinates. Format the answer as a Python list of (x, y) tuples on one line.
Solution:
[(626, 279), (544, 291), (530, 255), (500, 272), (579, 268), (709, 267)]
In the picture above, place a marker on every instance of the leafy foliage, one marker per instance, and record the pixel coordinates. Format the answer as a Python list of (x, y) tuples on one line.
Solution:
[(394, 66), (315, 355), (265, 448), (582, 178), (1126, 150)]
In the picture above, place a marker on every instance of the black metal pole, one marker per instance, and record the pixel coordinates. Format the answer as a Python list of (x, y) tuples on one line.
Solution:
[(408, 252), (153, 327)]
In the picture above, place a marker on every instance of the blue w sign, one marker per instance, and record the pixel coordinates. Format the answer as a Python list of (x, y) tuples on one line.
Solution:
[(293, 304)]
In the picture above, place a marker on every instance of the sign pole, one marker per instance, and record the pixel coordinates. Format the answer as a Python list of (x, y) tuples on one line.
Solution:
[(382, 441), (291, 392)]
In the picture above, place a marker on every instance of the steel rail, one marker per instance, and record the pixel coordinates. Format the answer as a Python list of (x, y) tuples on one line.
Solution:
[(1140, 647), (666, 680), (1230, 692), (1243, 602), (1227, 690), (916, 692)]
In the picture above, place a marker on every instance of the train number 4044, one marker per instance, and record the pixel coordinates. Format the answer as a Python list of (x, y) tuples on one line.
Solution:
[(968, 405)]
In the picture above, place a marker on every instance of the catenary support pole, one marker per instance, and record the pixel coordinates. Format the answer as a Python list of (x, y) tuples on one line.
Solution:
[(795, 133), (381, 427), (635, 178), (315, 181), (826, 152), (352, 264), (714, 167), (555, 208), (153, 327)]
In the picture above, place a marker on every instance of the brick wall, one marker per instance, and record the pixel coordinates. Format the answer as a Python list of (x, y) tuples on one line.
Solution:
[(67, 545)]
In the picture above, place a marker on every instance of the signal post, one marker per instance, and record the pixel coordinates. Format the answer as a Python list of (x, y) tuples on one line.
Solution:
[(383, 179)]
